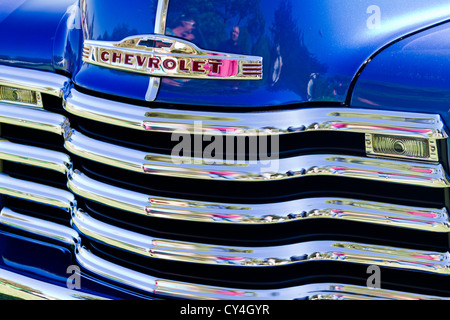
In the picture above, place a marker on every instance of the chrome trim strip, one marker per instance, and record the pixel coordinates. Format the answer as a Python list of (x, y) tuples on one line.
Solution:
[(33, 118), (431, 175), (148, 283), (272, 122), (51, 230), (160, 28), (22, 287), (161, 16), (36, 192), (435, 262), (34, 156), (153, 87), (435, 220), (29, 79)]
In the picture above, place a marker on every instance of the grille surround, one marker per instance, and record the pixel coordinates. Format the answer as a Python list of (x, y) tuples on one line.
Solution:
[(82, 186)]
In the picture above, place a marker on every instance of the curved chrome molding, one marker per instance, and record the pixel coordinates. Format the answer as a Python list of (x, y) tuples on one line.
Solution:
[(29, 79), (436, 220), (271, 122), (161, 16), (432, 175), (39, 157), (37, 192), (22, 287), (435, 262), (33, 118), (160, 28), (54, 231), (141, 281)]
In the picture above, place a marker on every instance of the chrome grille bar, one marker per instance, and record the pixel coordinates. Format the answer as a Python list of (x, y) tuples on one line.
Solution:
[(36, 192), (44, 82), (35, 156), (435, 262), (33, 118), (214, 212), (271, 122), (180, 289), (431, 175)]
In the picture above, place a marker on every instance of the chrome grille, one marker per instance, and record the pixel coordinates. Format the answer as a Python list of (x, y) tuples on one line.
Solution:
[(172, 243)]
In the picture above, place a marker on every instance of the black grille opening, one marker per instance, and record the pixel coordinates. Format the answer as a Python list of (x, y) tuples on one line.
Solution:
[(37, 210), (32, 137), (52, 103), (35, 174)]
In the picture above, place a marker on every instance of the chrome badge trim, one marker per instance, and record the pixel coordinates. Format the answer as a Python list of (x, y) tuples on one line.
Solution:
[(165, 56)]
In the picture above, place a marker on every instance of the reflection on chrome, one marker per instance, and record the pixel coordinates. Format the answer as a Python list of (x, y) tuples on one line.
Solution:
[(36, 192), (279, 122), (435, 262), (333, 208), (141, 281), (22, 287), (35, 156), (44, 82), (432, 175), (33, 118), (39, 227)]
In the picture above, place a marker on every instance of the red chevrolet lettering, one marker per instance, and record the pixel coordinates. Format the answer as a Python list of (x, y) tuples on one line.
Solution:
[(197, 66), (104, 56), (169, 64), (215, 66), (153, 63), (140, 60), (128, 58), (116, 58), (182, 66)]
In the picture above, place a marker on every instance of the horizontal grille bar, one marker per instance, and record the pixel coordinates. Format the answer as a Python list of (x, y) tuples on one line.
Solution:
[(39, 157), (36, 192), (170, 288), (313, 208), (431, 175), (44, 82), (22, 287), (33, 118), (259, 256), (273, 122)]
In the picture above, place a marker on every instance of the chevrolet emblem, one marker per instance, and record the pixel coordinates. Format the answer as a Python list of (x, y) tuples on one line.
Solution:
[(165, 56)]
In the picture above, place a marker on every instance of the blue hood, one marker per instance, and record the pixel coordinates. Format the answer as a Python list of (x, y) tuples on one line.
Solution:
[(311, 49)]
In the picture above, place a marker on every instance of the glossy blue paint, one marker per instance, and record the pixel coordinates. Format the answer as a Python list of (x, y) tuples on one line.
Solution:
[(67, 41), (34, 258), (27, 31), (411, 75), (49, 263), (321, 44)]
